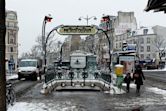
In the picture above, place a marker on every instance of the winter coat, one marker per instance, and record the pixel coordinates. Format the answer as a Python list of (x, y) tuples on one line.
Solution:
[(127, 79), (139, 79)]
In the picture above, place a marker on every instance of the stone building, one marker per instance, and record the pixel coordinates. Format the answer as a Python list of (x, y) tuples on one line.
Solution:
[(11, 39), (120, 24), (124, 21), (89, 44), (70, 44), (146, 39)]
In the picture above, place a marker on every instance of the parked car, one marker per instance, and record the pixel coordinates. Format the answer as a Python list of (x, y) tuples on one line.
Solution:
[(30, 68)]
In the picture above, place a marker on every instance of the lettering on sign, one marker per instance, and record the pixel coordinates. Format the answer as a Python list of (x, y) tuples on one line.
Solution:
[(77, 30)]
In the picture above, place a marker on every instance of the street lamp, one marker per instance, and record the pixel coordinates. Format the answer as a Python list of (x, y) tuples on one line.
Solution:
[(46, 19), (106, 19), (45, 45), (87, 18)]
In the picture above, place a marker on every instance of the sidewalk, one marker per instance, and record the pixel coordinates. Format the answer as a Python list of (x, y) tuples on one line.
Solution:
[(11, 76)]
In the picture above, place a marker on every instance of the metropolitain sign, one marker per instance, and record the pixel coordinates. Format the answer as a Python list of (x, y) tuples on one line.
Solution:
[(77, 30)]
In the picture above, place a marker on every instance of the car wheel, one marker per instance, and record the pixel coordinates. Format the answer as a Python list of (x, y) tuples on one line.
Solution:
[(19, 77), (34, 77)]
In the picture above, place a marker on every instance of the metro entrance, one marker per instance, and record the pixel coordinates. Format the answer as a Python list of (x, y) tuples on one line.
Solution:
[(87, 77)]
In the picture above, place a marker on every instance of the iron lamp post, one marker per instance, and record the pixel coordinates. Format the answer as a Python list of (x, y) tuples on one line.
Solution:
[(87, 18), (46, 19)]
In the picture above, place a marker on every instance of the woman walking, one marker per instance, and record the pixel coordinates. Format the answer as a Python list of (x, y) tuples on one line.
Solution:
[(138, 76)]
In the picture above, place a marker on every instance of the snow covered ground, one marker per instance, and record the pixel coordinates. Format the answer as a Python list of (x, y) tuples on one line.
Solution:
[(11, 76), (47, 105), (156, 69), (51, 106), (23, 106), (157, 91)]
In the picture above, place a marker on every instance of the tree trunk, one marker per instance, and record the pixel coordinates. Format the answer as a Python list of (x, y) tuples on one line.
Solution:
[(2, 57)]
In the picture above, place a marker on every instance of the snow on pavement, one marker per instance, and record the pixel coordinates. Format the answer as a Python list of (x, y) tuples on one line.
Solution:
[(37, 106), (157, 91), (13, 76)]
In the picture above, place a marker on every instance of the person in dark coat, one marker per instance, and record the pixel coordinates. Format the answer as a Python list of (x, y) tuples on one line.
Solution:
[(127, 80), (138, 76)]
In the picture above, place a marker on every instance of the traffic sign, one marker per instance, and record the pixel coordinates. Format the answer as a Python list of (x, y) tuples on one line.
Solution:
[(77, 30)]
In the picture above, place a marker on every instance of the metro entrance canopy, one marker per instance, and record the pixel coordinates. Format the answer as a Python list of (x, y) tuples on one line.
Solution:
[(77, 30), (156, 5)]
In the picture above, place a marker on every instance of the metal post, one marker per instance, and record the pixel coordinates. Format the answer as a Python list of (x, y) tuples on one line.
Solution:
[(43, 41), (109, 43), (45, 60), (2, 57), (60, 61), (45, 46), (46, 18)]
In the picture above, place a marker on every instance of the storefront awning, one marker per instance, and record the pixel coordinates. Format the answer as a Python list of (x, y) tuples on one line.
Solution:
[(156, 5)]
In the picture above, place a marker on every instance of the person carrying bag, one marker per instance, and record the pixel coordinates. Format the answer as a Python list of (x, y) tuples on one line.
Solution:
[(138, 76)]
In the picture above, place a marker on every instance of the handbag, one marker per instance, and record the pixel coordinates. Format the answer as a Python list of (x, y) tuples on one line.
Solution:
[(136, 75)]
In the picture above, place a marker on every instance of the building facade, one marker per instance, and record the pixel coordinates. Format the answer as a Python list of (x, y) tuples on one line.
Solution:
[(117, 25), (11, 40), (146, 39), (124, 21), (71, 43)]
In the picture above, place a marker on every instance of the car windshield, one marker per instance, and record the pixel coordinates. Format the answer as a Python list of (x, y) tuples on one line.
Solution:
[(28, 64)]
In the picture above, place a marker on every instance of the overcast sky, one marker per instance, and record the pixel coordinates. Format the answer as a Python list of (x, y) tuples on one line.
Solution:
[(31, 13)]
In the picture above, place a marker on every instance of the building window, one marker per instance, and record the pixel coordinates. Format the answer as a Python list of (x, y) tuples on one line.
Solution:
[(11, 56), (142, 41), (11, 16), (120, 45), (8, 37), (148, 40), (145, 31), (11, 24), (142, 56), (148, 48), (11, 40), (116, 38), (142, 49), (133, 33), (148, 56), (11, 49), (116, 45)]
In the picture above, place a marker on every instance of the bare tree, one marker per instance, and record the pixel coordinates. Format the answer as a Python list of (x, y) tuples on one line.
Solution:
[(160, 44), (2, 57), (36, 50), (25, 55)]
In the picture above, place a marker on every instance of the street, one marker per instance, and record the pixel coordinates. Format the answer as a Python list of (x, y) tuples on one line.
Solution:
[(158, 75), (152, 98), (109, 57)]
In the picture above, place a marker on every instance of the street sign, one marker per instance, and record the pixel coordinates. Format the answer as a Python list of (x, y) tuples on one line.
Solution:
[(77, 30)]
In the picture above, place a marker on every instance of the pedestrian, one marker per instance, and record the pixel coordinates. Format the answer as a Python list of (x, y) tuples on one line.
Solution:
[(127, 80), (138, 76)]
